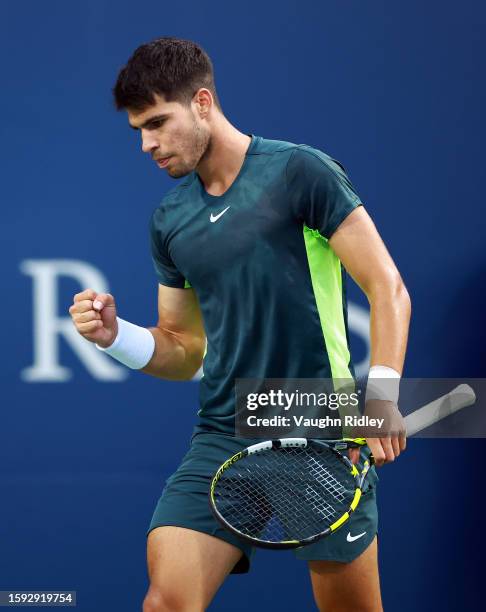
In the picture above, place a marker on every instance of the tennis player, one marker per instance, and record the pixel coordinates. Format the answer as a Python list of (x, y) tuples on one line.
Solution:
[(250, 250)]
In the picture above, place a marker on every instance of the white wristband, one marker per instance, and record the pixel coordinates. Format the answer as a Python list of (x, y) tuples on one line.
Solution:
[(383, 384), (133, 345)]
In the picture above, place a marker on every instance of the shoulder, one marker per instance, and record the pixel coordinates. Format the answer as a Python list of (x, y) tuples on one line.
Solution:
[(174, 198), (267, 147), (310, 159), (179, 192), (300, 158)]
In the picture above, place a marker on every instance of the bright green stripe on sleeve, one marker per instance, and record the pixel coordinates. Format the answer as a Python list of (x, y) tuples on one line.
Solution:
[(325, 270)]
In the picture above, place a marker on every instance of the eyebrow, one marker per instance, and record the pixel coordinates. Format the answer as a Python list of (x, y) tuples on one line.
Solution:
[(150, 120)]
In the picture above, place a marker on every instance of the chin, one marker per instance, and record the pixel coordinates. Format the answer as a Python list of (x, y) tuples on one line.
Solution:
[(176, 173)]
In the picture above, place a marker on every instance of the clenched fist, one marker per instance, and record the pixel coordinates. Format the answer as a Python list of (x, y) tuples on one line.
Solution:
[(94, 316)]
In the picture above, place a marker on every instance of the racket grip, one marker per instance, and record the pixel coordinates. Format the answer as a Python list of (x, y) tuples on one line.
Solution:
[(460, 397)]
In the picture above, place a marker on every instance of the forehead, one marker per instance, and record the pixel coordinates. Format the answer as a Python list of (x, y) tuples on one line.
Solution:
[(160, 107)]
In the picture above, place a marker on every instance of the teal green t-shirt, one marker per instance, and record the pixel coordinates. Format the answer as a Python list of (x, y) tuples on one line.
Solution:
[(270, 288)]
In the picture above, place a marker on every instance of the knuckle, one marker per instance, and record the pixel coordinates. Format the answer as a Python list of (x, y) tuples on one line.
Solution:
[(79, 296), (85, 328), (85, 306)]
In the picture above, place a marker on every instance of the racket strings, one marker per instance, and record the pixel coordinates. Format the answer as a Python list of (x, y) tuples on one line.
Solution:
[(326, 479), (285, 494)]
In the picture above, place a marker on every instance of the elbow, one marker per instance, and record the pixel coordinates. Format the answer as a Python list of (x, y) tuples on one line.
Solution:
[(191, 369), (393, 291), (400, 301), (195, 351), (176, 358), (402, 296)]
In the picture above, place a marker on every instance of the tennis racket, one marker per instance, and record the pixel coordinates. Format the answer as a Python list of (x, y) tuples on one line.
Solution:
[(292, 492)]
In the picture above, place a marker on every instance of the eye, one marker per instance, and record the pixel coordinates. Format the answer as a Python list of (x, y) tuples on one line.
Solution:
[(154, 125)]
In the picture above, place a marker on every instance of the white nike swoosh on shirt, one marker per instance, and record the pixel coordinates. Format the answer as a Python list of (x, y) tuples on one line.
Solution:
[(214, 218), (351, 538)]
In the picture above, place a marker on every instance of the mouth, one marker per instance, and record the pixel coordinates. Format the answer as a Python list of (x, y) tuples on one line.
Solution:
[(162, 162)]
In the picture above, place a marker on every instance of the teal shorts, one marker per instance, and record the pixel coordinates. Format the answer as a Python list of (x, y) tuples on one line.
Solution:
[(184, 503)]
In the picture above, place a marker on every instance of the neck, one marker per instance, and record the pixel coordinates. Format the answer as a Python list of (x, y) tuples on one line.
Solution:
[(224, 158)]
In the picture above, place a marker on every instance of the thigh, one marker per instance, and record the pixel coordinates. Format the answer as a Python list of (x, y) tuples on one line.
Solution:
[(179, 558), (348, 587), (184, 502), (352, 539)]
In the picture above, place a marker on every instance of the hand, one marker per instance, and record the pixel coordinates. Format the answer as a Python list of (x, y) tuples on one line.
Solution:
[(94, 316), (386, 443)]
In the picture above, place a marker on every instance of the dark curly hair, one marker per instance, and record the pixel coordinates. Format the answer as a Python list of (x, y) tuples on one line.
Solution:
[(172, 67)]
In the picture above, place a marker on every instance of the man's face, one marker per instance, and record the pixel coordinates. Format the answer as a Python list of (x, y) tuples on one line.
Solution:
[(173, 134)]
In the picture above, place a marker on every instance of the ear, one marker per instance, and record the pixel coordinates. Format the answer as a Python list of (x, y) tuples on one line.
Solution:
[(204, 101)]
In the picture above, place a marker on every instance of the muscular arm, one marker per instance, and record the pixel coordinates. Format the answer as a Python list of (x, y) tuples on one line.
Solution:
[(179, 335), (358, 245)]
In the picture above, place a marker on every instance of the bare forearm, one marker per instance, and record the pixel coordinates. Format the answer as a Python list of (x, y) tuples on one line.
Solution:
[(390, 319), (175, 357)]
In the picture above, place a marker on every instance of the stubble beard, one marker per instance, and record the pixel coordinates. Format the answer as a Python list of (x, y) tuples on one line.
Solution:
[(197, 147)]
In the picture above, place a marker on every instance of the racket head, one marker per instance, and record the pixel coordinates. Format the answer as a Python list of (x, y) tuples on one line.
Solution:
[(285, 493)]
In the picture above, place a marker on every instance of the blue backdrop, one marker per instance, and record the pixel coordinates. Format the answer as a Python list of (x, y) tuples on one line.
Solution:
[(393, 90)]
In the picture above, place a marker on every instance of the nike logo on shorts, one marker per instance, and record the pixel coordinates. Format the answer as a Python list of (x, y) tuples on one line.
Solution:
[(351, 538)]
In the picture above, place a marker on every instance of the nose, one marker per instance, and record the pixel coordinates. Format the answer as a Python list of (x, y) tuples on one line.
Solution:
[(149, 143)]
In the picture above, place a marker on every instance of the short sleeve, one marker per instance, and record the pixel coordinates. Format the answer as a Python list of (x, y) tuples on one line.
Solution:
[(321, 193), (165, 269)]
